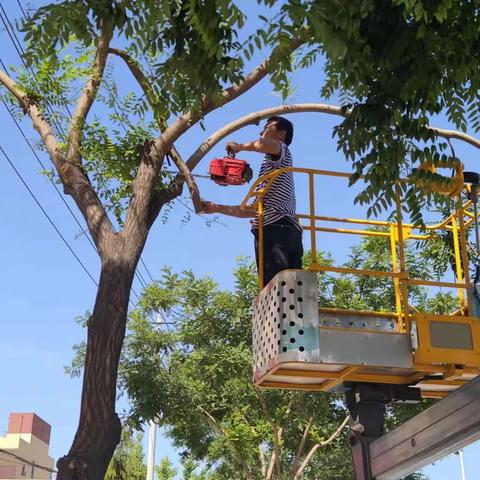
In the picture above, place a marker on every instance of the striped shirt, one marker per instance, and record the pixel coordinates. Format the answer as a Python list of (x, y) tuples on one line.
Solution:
[(279, 202)]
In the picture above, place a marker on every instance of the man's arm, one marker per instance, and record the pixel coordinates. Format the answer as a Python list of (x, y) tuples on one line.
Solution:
[(231, 210), (262, 145)]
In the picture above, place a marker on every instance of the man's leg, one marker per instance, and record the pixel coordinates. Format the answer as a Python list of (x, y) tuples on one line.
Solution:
[(275, 252), (295, 249)]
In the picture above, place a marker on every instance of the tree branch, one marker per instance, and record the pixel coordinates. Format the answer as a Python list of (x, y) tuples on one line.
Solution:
[(263, 465), (184, 122), (254, 119), (239, 455), (256, 75), (307, 459), (277, 434), (276, 448), (38, 120), (441, 132), (73, 178), (142, 80), (301, 446), (89, 93)]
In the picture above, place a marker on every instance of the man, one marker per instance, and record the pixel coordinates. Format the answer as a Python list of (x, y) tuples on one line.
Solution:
[(282, 238)]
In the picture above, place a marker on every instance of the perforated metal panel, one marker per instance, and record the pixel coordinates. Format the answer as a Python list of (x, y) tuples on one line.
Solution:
[(285, 321), (299, 344)]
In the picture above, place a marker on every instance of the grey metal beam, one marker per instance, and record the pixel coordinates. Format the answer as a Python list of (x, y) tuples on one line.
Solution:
[(446, 427)]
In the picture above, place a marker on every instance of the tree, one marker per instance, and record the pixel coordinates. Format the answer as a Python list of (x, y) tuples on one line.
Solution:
[(196, 65)]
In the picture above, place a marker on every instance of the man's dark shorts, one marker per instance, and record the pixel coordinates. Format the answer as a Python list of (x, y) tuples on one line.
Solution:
[(283, 247)]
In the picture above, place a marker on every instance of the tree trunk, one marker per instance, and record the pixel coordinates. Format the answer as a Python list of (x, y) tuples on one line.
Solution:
[(99, 427)]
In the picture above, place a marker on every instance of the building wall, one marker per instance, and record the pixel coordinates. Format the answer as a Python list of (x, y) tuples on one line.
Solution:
[(28, 437)]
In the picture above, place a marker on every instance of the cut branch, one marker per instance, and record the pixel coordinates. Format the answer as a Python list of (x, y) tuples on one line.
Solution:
[(312, 451), (88, 94)]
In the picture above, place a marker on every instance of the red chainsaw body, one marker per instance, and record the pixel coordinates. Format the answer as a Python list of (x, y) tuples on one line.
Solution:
[(230, 171)]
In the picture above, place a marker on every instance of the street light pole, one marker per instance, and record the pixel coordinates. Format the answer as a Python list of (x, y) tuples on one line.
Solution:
[(152, 429), (152, 434), (462, 466)]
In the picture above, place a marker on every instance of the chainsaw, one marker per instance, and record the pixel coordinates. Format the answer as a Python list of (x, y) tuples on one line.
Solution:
[(226, 171), (230, 171)]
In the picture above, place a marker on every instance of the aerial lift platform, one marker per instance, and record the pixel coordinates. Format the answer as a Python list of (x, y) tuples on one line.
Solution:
[(375, 357)]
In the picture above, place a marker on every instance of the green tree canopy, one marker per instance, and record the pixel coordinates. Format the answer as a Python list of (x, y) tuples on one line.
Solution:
[(128, 460)]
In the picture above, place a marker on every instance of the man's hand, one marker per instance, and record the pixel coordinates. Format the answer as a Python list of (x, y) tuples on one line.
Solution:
[(230, 210), (208, 207), (262, 145), (234, 147)]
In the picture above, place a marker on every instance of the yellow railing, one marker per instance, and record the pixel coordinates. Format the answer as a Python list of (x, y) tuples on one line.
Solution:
[(396, 232)]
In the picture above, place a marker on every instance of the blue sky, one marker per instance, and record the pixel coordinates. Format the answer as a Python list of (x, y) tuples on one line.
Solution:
[(44, 289)]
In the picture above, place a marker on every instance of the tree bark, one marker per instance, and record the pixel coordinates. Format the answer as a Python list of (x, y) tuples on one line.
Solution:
[(99, 427)]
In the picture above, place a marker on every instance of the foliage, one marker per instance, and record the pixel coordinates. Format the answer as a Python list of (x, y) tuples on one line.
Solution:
[(128, 460), (201, 387), (401, 63), (395, 64), (165, 470), (188, 52)]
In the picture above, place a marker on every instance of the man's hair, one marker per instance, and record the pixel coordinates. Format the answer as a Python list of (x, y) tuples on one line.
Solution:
[(283, 125)]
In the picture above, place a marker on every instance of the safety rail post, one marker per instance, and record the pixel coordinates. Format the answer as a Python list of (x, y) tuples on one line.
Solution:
[(261, 266), (396, 280), (463, 251), (458, 265), (403, 281), (313, 232)]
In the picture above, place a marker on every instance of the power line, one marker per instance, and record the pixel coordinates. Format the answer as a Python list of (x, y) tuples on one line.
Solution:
[(49, 177), (52, 223), (6, 23), (19, 51), (146, 269), (21, 8), (28, 462), (55, 186), (58, 192)]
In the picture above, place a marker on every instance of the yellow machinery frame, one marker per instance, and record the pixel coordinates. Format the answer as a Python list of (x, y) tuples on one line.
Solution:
[(456, 366)]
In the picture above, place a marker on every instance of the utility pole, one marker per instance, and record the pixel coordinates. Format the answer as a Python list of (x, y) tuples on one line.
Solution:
[(152, 428), (152, 434), (462, 466)]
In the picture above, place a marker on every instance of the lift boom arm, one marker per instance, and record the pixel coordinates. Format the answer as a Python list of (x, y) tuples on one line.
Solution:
[(447, 426)]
